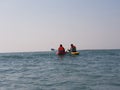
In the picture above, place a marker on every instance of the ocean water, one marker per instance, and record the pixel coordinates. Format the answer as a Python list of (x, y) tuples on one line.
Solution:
[(91, 70)]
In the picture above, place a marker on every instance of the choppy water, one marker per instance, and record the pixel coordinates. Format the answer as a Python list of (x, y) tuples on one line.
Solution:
[(91, 70)]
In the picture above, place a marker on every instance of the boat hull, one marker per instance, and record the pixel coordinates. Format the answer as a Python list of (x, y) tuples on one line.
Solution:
[(74, 53)]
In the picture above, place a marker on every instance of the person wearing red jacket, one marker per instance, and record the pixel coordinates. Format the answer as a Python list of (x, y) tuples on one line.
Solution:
[(61, 50)]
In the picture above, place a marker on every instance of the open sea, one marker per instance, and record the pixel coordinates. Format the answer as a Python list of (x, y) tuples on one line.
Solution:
[(91, 70)]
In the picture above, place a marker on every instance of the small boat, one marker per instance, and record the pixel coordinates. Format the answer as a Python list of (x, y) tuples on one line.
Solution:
[(74, 53), (58, 53)]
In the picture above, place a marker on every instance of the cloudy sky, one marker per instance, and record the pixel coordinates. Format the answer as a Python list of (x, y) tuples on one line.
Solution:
[(39, 25)]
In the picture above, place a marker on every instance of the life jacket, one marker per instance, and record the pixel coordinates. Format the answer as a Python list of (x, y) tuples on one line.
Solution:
[(61, 50), (73, 49)]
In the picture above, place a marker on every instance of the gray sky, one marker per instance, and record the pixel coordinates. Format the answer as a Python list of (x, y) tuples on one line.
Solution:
[(39, 25)]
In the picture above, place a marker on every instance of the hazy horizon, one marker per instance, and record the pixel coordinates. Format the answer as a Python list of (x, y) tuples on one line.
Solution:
[(39, 25)]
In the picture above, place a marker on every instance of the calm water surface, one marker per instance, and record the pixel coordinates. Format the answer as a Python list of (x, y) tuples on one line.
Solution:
[(91, 70)]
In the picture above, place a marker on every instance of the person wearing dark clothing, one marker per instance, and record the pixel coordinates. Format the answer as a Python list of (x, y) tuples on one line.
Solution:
[(73, 48)]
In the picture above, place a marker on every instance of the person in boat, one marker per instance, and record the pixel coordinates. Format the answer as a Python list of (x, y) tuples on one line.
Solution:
[(73, 48), (61, 50)]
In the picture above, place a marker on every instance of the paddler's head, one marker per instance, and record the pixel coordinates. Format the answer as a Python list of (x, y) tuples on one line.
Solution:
[(71, 44), (60, 45)]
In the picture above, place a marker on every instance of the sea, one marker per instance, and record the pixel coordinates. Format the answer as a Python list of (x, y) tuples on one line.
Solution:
[(91, 70)]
